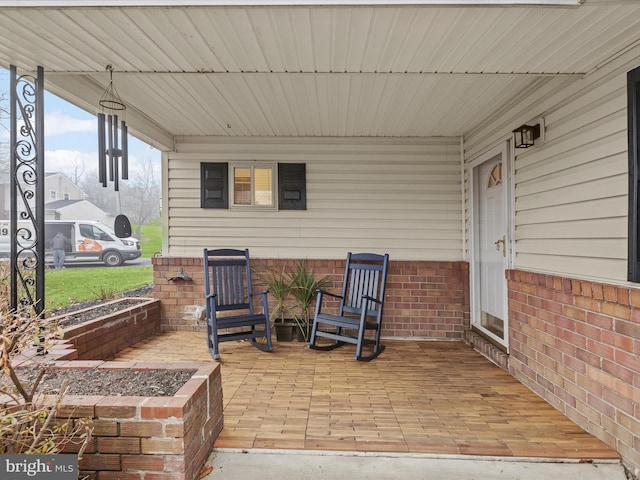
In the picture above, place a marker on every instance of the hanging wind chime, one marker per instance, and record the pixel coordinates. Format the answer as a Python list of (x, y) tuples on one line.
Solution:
[(113, 155), (112, 141)]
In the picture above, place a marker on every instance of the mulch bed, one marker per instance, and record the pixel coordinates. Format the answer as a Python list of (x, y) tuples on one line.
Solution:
[(146, 383), (99, 310)]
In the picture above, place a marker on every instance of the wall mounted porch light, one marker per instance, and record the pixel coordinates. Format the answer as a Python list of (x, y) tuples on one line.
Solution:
[(112, 142), (525, 135)]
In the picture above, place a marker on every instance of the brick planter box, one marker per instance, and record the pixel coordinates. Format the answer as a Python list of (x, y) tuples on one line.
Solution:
[(144, 438), (136, 437), (106, 335)]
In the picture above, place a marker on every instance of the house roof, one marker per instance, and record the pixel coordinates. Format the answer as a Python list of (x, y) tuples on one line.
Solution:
[(318, 69), (59, 204)]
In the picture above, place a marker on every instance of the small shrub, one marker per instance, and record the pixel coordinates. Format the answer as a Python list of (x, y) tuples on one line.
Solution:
[(104, 294), (28, 421), (278, 283), (304, 286)]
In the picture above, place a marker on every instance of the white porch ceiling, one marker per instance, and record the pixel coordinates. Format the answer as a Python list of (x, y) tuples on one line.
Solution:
[(391, 71)]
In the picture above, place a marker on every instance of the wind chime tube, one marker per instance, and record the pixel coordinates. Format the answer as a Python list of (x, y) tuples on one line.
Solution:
[(110, 151), (116, 154), (125, 151), (102, 153)]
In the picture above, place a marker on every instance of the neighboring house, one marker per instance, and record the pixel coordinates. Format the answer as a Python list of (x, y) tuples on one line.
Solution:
[(309, 131), (4, 180), (64, 200), (76, 210), (5, 195), (57, 186)]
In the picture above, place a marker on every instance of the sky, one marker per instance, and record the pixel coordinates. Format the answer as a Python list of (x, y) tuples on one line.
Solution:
[(71, 138)]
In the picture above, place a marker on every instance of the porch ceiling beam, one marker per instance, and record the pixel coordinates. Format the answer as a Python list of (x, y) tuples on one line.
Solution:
[(85, 93), (319, 72), (224, 3)]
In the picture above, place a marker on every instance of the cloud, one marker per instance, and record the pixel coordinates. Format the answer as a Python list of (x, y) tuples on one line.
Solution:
[(70, 161), (56, 124), (75, 162), (59, 123)]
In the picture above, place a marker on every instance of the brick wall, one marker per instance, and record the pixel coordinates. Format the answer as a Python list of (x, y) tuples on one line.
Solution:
[(576, 344), (142, 438), (117, 330), (425, 299)]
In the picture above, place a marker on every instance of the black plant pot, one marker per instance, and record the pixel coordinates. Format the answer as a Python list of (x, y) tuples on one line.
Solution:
[(288, 331), (284, 330)]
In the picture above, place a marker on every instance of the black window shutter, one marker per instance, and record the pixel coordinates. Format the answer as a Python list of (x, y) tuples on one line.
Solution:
[(292, 186), (214, 185), (633, 113)]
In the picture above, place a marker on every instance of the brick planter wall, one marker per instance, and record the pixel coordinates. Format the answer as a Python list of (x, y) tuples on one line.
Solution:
[(135, 437), (149, 438), (425, 299), (576, 343), (103, 337)]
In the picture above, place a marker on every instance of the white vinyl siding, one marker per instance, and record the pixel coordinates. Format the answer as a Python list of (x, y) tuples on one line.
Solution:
[(363, 194), (571, 192)]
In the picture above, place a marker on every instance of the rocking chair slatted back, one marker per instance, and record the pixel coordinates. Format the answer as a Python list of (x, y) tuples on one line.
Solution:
[(364, 280), (230, 283)]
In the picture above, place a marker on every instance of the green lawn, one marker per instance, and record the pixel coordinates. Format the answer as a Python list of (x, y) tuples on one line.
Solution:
[(74, 285), (150, 238)]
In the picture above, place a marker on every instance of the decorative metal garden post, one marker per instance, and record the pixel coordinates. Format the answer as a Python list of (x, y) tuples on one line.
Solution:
[(27, 191)]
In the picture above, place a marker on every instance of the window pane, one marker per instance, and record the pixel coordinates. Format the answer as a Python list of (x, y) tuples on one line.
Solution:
[(263, 186), (242, 186)]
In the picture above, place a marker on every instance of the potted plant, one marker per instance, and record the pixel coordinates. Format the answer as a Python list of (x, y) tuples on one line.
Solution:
[(304, 286), (278, 283)]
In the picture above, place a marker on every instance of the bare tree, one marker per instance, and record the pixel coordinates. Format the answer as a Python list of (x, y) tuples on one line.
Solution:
[(104, 198), (78, 169), (4, 127), (140, 196), (4, 152), (4, 106)]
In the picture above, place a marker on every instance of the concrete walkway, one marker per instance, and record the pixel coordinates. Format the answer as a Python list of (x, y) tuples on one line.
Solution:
[(306, 465)]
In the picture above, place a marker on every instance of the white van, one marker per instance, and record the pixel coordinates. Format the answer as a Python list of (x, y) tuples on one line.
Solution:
[(88, 241)]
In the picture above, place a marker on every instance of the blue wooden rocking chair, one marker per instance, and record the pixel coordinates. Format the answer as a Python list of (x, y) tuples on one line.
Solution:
[(229, 301), (360, 307)]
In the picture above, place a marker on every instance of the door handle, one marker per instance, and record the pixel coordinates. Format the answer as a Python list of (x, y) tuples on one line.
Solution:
[(503, 242)]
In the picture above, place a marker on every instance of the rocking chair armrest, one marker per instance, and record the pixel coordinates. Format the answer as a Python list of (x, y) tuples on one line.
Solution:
[(375, 300), (265, 300), (334, 295)]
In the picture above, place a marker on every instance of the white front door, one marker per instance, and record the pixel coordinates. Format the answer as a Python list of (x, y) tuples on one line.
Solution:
[(490, 245)]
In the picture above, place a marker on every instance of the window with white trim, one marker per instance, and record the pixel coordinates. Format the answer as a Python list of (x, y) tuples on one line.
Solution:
[(221, 187), (252, 185)]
